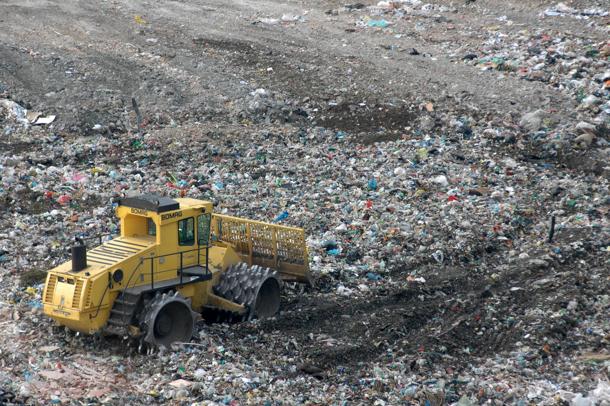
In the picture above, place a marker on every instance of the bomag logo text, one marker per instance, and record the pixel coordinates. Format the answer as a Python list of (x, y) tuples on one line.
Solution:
[(138, 211), (171, 215)]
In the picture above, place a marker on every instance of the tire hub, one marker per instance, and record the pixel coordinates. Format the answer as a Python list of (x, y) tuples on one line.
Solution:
[(168, 318), (163, 325)]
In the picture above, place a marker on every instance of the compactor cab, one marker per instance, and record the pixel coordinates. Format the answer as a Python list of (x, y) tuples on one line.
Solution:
[(174, 259), (180, 230)]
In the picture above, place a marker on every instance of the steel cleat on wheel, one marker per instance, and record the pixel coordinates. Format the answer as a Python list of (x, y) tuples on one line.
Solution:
[(257, 288)]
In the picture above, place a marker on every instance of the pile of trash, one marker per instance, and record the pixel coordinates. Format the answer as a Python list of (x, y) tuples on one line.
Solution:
[(561, 9), (14, 112), (262, 105), (391, 215), (563, 60)]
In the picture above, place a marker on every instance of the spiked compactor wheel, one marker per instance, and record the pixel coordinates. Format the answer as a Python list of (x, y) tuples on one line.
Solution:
[(255, 287), (168, 318)]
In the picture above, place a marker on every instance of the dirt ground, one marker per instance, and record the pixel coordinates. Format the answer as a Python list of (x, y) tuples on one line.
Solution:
[(193, 67), (84, 61)]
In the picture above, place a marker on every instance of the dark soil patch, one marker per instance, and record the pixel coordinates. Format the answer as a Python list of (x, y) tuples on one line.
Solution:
[(10, 148), (26, 202), (581, 161), (32, 277), (354, 118)]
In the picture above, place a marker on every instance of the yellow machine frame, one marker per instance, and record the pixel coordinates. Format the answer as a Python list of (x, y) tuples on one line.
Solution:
[(181, 246)]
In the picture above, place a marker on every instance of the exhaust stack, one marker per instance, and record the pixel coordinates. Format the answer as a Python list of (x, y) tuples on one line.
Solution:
[(79, 255)]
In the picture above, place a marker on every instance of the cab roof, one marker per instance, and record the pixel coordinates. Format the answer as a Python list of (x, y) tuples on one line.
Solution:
[(150, 202), (160, 204)]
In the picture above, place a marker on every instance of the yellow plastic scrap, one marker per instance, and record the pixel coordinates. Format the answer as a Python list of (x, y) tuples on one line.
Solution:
[(96, 170), (139, 20), (419, 192), (548, 122), (31, 291), (422, 153)]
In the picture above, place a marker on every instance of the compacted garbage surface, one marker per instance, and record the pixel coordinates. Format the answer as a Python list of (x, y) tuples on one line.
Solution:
[(449, 161)]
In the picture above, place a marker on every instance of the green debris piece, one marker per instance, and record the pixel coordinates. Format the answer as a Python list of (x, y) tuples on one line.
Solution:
[(591, 53), (261, 157), (422, 153)]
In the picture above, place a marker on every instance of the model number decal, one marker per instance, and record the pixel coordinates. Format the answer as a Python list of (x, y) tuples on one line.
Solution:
[(171, 215), (139, 211), (62, 312)]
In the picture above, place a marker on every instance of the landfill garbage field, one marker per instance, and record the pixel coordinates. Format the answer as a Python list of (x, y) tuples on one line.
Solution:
[(449, 161)]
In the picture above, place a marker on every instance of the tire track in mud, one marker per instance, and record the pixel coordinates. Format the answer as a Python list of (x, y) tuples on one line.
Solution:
[(456, 315)]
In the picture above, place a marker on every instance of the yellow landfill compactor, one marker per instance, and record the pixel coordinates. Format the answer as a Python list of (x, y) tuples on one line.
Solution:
[(173, 260)]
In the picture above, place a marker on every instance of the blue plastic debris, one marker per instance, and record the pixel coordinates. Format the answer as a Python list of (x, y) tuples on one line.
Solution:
[(282, 216), (378, 23), (35, 304), (331, 247)]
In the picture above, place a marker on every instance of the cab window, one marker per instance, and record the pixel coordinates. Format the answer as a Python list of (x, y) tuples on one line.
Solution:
[(186, 231), (152, 227), (203, 229)]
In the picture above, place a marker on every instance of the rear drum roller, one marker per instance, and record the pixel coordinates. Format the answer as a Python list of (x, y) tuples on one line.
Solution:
[(255, 287), (168, 318)]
